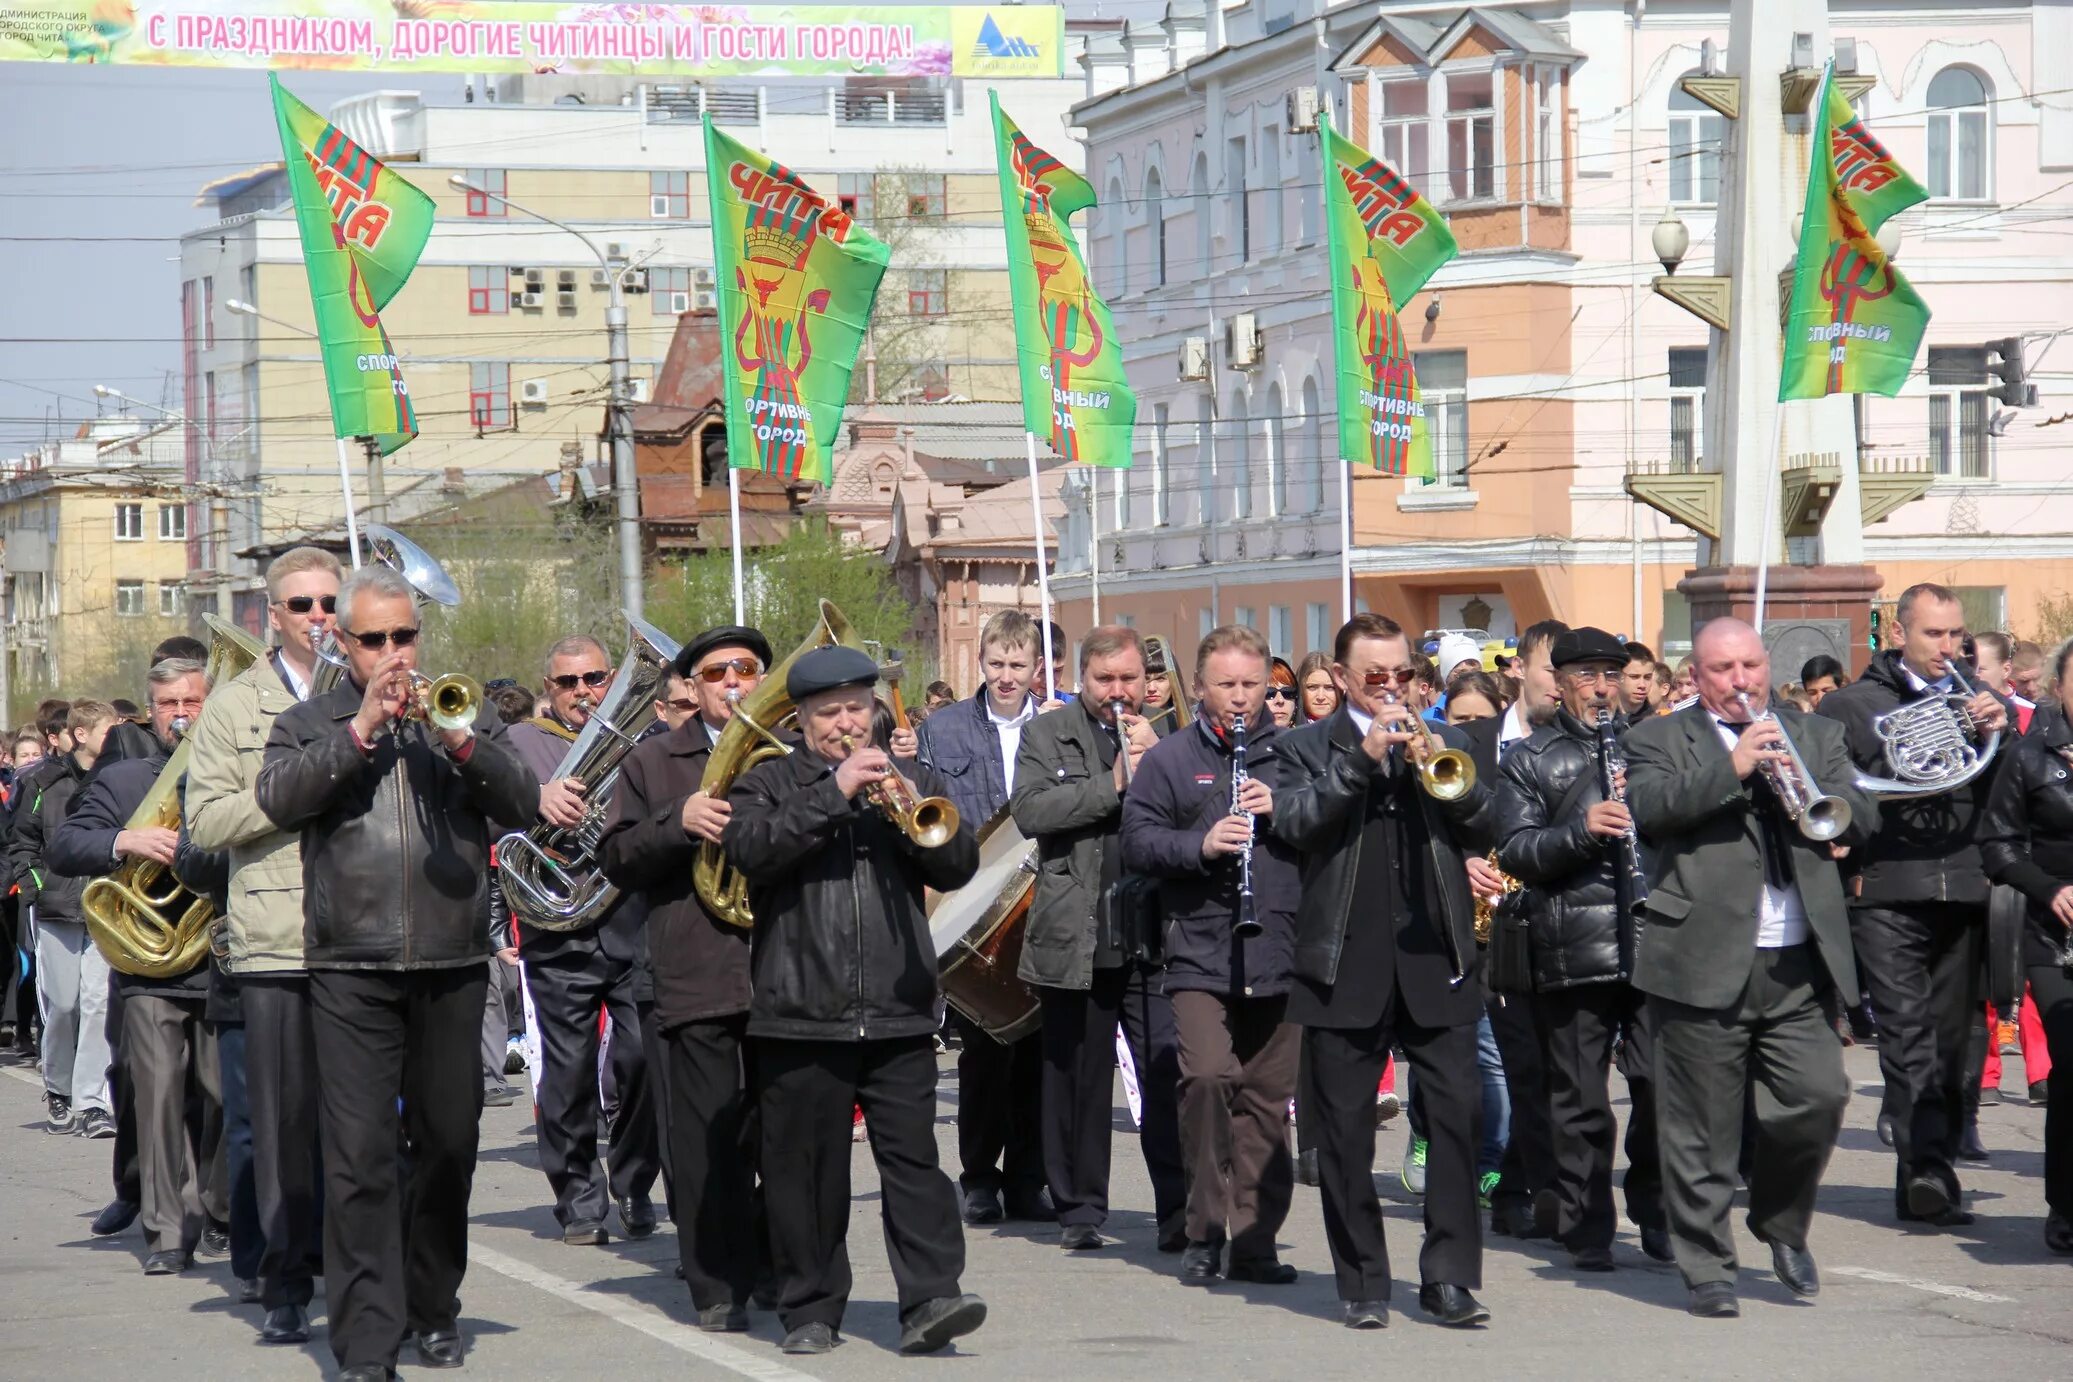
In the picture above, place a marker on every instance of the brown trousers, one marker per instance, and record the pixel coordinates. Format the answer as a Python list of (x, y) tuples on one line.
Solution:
[(1237, 1073)]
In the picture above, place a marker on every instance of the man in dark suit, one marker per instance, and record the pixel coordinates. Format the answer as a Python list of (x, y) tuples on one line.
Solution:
[(1385, 954), (1743, 956)]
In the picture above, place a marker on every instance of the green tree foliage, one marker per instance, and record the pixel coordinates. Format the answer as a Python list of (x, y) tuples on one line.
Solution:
[(522, 588)]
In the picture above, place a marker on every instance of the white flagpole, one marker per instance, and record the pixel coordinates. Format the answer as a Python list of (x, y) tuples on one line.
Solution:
[(1094, 539), (1036, 510), (734, 528), (1345, 542), (345, 484), (1771, 465)]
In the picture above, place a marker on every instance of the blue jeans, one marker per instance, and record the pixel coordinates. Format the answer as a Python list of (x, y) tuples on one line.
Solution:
[(1497, 1103), (247, 1242)]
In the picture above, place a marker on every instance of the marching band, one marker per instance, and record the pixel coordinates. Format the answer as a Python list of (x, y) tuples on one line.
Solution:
[(768, 889)]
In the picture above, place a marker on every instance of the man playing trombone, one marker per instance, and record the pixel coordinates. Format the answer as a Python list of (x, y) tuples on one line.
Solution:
[(1743, 954)]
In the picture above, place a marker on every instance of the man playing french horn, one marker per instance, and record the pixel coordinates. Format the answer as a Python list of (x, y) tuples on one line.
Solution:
[(844, 1007), (393, 789)]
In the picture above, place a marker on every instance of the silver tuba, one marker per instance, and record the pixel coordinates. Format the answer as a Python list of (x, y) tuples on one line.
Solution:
[(553, 876), (1819, 817), (408, 560), (1931, 745)]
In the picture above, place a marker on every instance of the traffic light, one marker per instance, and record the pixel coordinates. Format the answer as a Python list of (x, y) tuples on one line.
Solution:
[(2005, 362), (1873, 641)]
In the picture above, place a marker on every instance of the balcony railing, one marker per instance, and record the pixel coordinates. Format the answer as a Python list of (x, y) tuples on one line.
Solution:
[(686, 104), (889, 107)]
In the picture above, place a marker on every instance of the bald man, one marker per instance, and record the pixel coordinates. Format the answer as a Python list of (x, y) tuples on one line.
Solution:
[(1743, 956)]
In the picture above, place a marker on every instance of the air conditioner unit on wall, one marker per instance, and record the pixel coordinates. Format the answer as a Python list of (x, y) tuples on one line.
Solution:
[(600, 278), (637, 390), (1242, 344), (565, 278), (634, 280), (533, 391), (530, 298), (1301, 115), (535, 277), (1194, 358), (705, 300)]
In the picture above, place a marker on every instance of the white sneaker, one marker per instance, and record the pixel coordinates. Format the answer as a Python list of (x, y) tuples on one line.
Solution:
[(1387, 1106)]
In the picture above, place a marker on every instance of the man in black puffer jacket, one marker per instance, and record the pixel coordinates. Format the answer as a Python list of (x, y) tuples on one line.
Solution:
[(1918, 907), (1559, 835)]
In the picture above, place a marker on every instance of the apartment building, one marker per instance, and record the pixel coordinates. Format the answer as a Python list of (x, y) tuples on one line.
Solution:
[(1554, 137)]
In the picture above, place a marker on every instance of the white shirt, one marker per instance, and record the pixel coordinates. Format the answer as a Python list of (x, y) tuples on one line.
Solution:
[(1516, 726), (1011, 735), (1942, 683), (1362, 721), (294, 679), (1782, 919)]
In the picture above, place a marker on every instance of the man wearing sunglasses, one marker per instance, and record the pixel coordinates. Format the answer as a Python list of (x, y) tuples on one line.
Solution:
[(573, 977), (661, 817), (262, 929), (396, 819)]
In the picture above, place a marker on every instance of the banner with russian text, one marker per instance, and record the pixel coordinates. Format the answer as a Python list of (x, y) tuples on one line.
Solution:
[(1855, 323), (1075, 394), (703, 41), (1385, 241), (362, 229), (795, 279)]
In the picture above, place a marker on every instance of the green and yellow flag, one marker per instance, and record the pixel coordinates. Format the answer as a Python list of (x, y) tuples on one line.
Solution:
[(362, 229), (1385, 242), (796, 278), (1074, 391), (1855, 323)]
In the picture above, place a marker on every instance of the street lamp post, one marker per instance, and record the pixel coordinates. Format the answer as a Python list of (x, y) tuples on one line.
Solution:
[(618, 409), (377, 485)]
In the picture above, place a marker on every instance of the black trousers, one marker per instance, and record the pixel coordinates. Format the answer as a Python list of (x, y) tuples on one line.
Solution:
[(1000, 1145), (1922, 965), (287, 1176), (716, 1206), (1343, 1068), (124, 1168), (655, 1056), (1078, 1041), (571, 987), (2052, 989), (1529, 1148), (240, 1189), (1578, 1028), (168, 1048), (806, 1092), (1777, 1045), (394, 1255)]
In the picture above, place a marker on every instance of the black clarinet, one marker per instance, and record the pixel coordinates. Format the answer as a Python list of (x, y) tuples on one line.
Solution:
[(1629, 883), (1248, 921)]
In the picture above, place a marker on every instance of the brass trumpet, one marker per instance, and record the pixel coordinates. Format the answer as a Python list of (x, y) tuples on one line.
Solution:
[(1446, 774), (928, 821), (453, 701)]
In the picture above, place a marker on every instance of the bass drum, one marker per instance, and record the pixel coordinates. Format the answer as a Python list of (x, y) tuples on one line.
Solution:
[(977, 932), (2007, 916)]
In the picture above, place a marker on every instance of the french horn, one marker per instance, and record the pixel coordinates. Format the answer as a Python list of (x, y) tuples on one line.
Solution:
[(1931, 745)]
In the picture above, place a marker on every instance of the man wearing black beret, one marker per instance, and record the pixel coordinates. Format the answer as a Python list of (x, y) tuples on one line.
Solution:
[(701, 963), (843, 1010)]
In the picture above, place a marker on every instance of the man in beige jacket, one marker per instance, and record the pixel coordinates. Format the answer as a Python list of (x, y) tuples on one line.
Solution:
[(260, 938)]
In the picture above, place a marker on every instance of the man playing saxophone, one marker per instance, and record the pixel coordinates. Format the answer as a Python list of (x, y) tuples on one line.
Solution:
[(576, 976), (843, 1009), (394, 815), (1560, 834), (165, 1042)]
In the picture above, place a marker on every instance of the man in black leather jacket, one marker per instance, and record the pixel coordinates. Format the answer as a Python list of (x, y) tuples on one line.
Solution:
[(1918, 908), (1386, 954), (1559, 835), (396, 827), (843, 1009)]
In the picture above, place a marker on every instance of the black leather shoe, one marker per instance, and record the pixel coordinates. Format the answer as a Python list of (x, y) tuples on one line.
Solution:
[(1714, 1300), (637, 1213), (1886, 1128), (1928, 1198), (171, 1262), (1265, 1271), (1201, 1265), (286, 1325), (982, 1207), (1655, 1242), (588, 1233), (248, 1290), (1591, 1259), (1367, 1314), (724, 1319), (1970, 1148), (1988, 1094), (1452, 1305), (2040, 1091), (1795, 1267), (215, 1242), (440, 1348), (2058, 1234), (1513, 1218), (1173, 1233), (1306, 1167), (932, 1324), (1079, 1238), (1034, 1208), (119, 1215), (366, 1372), (810, 1338)]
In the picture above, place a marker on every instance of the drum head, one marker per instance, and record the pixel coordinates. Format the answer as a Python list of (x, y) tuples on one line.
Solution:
[(1007, 874), (2007, 914)]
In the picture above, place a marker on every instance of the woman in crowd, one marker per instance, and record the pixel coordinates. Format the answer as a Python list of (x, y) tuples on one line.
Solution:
[(1474, 695), (1282, 693), (1320, 693)]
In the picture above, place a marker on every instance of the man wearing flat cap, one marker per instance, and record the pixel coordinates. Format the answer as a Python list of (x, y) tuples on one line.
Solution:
[(843, 1009), (1560, 835), (701, 964)]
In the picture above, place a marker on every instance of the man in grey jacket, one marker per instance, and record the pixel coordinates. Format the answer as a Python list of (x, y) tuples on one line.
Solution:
[(1072, 770), (261, 930), (1743, 955)]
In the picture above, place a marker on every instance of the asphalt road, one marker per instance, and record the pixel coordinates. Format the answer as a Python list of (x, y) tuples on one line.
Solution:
[(1896, 1303)]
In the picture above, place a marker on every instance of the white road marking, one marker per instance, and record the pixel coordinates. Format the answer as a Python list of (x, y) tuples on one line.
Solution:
[(636, 1315), (1934, 1288)]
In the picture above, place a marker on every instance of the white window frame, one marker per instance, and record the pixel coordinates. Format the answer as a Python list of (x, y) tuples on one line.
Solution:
[(1122, 501), (1951, 434), (1280, 633), (1488, 117), (1238, 197), (1546, 134), (1691, 402), (1446, 415), (129, 599), (129, 522), (1946, 124), (1272, 208), (1244, 615), (1396, 135), (1162, 454), (1317, 616), (1695, 139), (1205, 619), (1238, 476), (169, 599), (172, 523), (1275, 438)]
